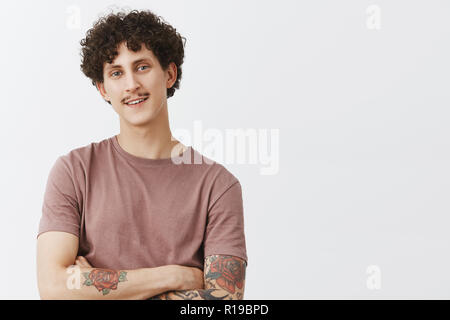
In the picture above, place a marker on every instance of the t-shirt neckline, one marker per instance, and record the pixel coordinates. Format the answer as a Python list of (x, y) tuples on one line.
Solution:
[(147, 161)]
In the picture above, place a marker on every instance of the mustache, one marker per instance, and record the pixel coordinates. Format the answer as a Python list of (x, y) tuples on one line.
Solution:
[(144, 95)]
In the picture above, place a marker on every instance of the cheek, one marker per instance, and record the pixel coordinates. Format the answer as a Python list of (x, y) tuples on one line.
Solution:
[(159, 91), (154, 83), (113, 90)]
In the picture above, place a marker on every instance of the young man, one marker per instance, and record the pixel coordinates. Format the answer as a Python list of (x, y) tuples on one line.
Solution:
[(139, 215)]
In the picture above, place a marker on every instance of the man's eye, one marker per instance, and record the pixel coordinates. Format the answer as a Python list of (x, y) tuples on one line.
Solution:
[(143, 67), (112, 74)]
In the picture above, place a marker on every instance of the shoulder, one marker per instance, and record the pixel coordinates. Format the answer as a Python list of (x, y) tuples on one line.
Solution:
[(217, 173), (224, 187), (79, 158)]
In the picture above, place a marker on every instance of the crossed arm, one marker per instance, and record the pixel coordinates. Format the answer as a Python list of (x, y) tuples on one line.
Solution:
[(224, 276)]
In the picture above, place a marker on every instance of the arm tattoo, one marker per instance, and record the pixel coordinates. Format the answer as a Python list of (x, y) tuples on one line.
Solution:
[(104, 280), (227, 271), (198, 294), (224, 280)]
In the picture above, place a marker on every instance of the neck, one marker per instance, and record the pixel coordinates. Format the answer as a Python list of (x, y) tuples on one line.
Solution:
[(153, 140)]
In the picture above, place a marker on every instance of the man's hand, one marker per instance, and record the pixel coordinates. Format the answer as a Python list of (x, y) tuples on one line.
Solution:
[(82, 262), (189, 278)]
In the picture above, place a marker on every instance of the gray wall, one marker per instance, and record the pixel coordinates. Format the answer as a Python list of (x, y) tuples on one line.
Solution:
[(352, 96)]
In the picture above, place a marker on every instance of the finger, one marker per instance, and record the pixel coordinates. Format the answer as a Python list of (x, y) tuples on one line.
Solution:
[(86, 262), (82, 262)]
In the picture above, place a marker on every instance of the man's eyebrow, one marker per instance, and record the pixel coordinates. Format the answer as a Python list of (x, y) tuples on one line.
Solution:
[(108, 66)]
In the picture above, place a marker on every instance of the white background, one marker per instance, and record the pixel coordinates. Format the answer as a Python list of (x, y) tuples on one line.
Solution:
[(363, 116)]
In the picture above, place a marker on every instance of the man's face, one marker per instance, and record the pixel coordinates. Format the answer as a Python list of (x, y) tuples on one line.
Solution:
[(136, 75)]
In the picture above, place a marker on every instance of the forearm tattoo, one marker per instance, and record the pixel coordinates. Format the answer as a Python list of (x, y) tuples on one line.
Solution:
[(224, 280), (104, 280)]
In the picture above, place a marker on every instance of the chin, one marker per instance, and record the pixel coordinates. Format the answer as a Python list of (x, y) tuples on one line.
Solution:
[(140, 119)]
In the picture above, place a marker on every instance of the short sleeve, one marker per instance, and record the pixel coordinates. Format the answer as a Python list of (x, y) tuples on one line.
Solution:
[(60, 208), (225, 226)]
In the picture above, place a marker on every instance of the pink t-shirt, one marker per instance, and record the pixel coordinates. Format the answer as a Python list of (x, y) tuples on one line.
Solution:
[(131, 212)]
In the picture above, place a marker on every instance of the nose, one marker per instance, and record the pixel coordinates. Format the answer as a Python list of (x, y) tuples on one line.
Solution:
[(131, 83)]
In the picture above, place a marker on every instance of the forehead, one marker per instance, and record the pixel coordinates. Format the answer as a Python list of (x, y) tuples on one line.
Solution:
[(126, 57)]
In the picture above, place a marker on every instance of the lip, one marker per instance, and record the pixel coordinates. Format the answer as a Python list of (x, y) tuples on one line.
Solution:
[(138, 104)]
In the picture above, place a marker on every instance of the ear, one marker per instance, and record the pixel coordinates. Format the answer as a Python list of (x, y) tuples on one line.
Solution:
[(172, 73), (101, 88)]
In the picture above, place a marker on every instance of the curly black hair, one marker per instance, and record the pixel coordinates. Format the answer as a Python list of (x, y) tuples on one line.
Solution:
[(135, 28)]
